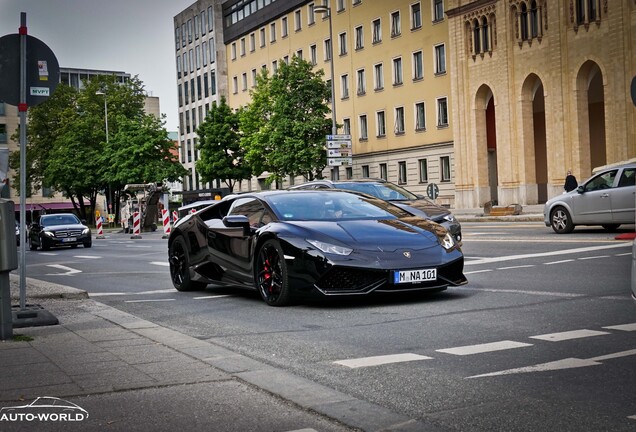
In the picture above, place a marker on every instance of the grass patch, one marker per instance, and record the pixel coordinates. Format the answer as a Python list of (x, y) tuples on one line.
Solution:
[(21, 338)]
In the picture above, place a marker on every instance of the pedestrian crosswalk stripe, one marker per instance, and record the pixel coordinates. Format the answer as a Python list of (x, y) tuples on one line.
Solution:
[(381, 360), (484, 348), (574, 334), (623, 327)]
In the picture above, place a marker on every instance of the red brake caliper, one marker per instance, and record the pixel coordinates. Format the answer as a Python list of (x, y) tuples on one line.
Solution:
[(268, 275)]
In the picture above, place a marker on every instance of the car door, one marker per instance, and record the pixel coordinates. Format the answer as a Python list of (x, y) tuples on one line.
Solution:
[(593, 204), (623, 197)]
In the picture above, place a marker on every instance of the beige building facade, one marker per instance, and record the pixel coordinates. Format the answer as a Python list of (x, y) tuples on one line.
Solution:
[(539, 87)]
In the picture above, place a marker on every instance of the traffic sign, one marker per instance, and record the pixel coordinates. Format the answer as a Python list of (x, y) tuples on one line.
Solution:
[(432, 191), (333, 153), (338, 144), (338, 137), (338, 161)]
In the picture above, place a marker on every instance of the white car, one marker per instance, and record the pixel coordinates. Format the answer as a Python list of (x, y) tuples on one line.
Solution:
[(608, 198)]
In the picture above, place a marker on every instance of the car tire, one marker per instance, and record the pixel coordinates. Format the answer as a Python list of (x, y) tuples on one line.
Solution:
[(610, 227), (44, 245), (272, 280), (179, 261), (32, 245), (561, 221), (88, 245)]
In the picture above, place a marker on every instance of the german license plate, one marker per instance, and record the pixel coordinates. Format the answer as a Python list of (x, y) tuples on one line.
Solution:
[(68, 239), (413, 276)]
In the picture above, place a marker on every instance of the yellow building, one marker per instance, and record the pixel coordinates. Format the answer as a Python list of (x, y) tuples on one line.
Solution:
[(392, 86), (538, 87)]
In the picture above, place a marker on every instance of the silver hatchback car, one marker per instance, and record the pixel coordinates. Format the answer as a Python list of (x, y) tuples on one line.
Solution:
[(607, 198)]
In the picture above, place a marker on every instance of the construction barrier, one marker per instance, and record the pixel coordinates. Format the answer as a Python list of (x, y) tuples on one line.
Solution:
[(193, 211), (165, 216), (136, 226), (98, 226), (175, 216)]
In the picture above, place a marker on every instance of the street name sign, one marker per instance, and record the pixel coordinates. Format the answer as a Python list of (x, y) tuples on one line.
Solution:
[(340, 161), (336, 153), (338, 144)]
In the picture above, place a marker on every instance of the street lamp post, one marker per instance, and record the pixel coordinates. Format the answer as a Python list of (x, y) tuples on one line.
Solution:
[(324, 9), (101, 93)]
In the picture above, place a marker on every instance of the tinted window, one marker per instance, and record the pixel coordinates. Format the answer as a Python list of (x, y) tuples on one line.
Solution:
[(628, 177), (385, 191), (602, 181), (250, 207), (61, 219)]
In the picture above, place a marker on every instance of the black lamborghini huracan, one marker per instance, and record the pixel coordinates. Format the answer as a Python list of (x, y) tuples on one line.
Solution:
[(327, 241)]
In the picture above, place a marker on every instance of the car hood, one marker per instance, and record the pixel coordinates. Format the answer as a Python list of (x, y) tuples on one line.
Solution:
[(422, 208), (384, 234), (64, 227)]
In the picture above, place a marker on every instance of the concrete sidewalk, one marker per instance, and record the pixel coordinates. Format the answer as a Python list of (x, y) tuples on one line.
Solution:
[(132, 374)]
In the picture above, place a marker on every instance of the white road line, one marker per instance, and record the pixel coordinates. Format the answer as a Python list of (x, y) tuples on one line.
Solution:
[(139, 247), (478, 271), (515, 267), (622, 327), (484, 348), (544, 254), (160, 263), (381, 360), (623, 254), (87, 256), (615, 355), (106, 294), (593, 257), (211, 297), (542, 293), (559, 262), (149, 300), (574, 334), (48, 254), (632, 417), (69, 271)]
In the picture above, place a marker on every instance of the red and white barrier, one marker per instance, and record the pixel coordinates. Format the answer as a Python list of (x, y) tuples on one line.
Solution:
[(98, 227), (175, 217), (193, 211), (165, 216), (136, 225)]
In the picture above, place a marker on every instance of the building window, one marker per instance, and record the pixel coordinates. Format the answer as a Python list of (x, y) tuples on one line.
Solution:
[(204, 53), (344, 86), (402, 177), (191, 60), (272, 32), (253, 77), (311, 15), (420, 117), (364, 133), (210, 18), (440, 59), (381, 120), (252, 42), (485, 35), (423, 168), (399, 120), (442, 112), (418, 66), (395, 24), (346, 126), (233, 51), (335, 174), (313, 55), (242, 47), (327, 49), (3, 132), (212, 50), (361, 80), (365, 171), (359, 38), (189, 31), (342, 39), (284, 30), (383, 171), (275, 66), (444, 162), (262, 37), (244, 81), (298, 23), (438, 10), (341, 5), (416, 16), (213, 83), (377, 31), (349, 173), (196, 26), (177, 37), (397, 71), (378, 77), (197, 55), (235, 85)]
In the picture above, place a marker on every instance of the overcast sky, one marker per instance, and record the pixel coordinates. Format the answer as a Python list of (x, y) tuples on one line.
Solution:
[(133, 36)]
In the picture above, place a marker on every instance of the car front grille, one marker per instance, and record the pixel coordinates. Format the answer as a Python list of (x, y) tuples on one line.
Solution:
[(68, 233), (349, 280)]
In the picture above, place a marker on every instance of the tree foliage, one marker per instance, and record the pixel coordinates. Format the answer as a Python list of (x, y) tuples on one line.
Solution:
[(222, 156)]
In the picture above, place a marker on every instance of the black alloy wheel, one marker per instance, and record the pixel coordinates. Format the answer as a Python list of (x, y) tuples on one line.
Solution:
[(561, 221), (179, 261), (271, 275)]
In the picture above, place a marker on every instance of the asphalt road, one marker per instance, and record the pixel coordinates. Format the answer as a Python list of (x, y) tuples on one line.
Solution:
[(542, 337)]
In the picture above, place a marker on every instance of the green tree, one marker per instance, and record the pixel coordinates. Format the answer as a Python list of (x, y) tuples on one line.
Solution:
[(222, 156), (286, 123)]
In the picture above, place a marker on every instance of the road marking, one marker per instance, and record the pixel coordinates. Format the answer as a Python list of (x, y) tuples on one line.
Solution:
[(544, 293), (48, 254), (484, 348), (69, 271), (139, 247), (622, 327), (623, 254), (149, 300), (593, 257), (87, 256), (559, 262), (478, 271), (211, 297), (381, 360), (632, 417), (568, 335), (515, 267), (544, 254), (160, 263), (568, 363), (107, 294)]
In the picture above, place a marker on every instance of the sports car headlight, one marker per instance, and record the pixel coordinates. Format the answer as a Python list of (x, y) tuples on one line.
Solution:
[(449, 218), (448, 242), (48, 233), (330, 248)]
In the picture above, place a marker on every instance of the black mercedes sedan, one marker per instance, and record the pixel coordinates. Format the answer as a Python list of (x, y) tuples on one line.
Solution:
[(329, 242), (54, 230)]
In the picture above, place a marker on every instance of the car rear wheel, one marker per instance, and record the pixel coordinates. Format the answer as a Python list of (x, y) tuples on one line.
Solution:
[(561, 221), (610, 227), (179, 260), (271, 275)]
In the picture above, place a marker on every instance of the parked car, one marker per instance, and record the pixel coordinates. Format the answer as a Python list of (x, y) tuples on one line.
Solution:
[(634, 270), (63, 229), (607, 199), (328, 242), (385, 190)]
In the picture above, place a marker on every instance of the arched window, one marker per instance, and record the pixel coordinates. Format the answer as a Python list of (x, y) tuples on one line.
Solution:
[(592, 13), (534, 20), (524, 22), (580, 11), (485, 35), (476, 36)]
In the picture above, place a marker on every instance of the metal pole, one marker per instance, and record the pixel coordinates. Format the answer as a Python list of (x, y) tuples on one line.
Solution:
[(334, 127), (23, 111)]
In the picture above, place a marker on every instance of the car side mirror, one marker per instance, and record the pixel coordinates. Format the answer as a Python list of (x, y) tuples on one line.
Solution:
[(237, 221), (83, 221), (580, 189)]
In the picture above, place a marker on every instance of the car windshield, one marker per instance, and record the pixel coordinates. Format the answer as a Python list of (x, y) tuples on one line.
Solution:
[(62, 219), (384, 191), (327, 206)]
